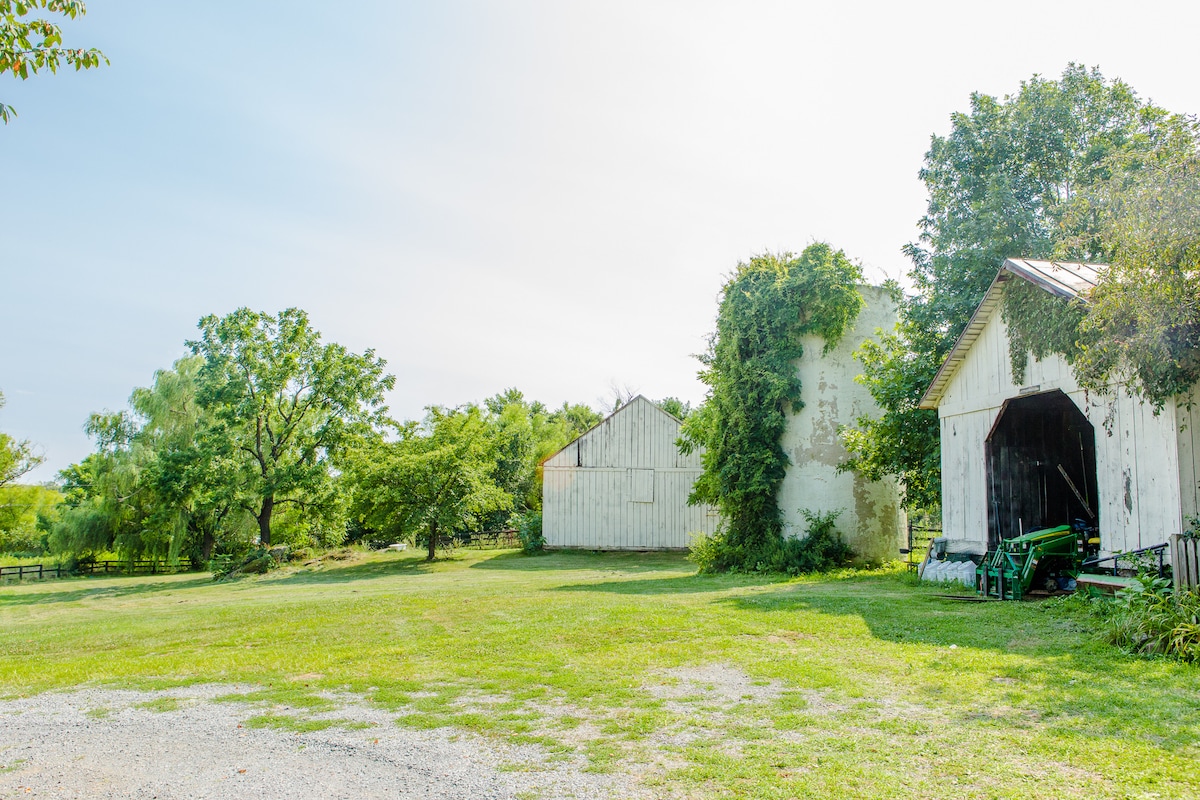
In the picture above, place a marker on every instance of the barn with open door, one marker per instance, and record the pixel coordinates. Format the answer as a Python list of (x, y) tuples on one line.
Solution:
[(1018, 456), (1041, 466)]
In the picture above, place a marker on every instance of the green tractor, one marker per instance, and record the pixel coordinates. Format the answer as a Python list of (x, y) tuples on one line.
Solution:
[(1049, 558)]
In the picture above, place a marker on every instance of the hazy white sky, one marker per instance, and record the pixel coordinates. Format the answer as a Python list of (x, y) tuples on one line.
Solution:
[(537, 194)]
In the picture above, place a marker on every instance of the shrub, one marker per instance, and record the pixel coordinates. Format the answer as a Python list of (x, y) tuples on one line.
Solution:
[(529, 531), (1147, 618), (822, 549)]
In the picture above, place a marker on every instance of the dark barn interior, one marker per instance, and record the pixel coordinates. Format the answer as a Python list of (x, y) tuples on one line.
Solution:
[(1041, 466)]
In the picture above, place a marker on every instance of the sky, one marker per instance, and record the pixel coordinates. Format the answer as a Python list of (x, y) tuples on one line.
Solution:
[(531, 194)]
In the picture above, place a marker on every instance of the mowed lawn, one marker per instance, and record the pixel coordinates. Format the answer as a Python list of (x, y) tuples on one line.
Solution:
[(856, 685)]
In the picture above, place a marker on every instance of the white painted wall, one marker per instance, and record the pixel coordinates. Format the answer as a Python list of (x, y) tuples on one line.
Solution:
[(623, 486), (872, 519), (1138, 453)]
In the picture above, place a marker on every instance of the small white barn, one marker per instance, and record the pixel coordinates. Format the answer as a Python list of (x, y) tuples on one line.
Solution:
[(1019, 456), (871, 517), (624, 485)]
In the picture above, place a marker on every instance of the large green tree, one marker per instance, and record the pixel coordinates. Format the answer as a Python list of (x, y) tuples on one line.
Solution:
[(1003, 183), (284, 408), (31, 44), (438, 477), (767, 305)]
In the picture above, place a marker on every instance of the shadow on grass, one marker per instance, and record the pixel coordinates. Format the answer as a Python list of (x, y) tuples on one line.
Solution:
[(337, 572), (676, 584), (1059, 667), (632, 562), (76, 589)]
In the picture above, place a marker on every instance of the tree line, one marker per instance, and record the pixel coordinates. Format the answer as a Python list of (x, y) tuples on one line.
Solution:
[(265, 434)]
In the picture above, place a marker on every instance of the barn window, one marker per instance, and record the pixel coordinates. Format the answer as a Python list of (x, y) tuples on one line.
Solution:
[(639, 486)]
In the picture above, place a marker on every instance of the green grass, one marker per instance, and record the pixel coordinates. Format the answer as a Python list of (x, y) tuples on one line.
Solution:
[(858, 684)]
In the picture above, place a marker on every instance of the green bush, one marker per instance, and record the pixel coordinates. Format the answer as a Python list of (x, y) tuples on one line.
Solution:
[(529, 531), (821, 550), (1148, 618)]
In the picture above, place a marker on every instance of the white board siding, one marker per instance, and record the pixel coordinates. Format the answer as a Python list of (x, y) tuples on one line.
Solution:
[(1137, 452), (623, 486)]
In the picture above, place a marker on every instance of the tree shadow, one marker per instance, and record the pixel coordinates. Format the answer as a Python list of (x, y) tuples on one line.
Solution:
[(630, 562), (1060, 670), (346, 572), (126, 586), (675, 584)]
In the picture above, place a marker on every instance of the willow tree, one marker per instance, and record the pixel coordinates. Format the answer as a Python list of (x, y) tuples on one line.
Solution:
[(767, 306), (284, 407)]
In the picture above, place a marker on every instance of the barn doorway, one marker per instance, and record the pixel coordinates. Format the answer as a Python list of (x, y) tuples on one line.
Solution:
[(1041, 466)]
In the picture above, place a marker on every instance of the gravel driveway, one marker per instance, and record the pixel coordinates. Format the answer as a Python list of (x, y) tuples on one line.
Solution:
[(179, 743)]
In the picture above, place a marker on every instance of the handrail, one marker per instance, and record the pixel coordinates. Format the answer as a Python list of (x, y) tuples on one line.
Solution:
[(1159, 549)]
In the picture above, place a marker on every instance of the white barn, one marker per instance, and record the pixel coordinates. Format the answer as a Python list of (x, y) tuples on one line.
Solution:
[(624, 485), (1018, 456)]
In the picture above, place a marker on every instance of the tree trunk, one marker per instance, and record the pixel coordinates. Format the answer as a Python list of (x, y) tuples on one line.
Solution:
[(432, 541), (207, 544), (264, 521)]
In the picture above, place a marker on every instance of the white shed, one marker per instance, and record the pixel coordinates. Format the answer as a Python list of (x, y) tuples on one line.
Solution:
[(1018, 456), (624, 485)]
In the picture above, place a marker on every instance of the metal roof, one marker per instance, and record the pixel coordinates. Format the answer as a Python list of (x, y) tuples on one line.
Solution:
[(1061, 278)]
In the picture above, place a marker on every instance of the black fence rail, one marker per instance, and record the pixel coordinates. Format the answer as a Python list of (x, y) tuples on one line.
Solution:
[(920, 534), (108, 567), (32, 571), (483, 540)]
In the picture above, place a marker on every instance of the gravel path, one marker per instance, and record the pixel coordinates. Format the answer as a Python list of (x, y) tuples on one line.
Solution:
[(106, 743)]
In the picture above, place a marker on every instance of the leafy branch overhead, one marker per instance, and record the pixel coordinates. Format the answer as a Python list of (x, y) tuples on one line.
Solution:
[(28, 46)]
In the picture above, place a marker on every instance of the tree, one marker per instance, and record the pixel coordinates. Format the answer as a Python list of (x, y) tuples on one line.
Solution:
[(1003, 183), (284, 408), (30, 45), (767, 305), (438, 477), (1143, 321), (17, 457)]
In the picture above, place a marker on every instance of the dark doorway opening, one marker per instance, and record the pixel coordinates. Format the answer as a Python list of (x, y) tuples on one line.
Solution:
[(1041, 466)]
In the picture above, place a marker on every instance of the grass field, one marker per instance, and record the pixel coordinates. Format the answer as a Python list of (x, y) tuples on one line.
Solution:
[(856, 685)]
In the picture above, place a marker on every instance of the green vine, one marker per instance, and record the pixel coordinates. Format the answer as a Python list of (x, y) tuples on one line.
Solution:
[(767, 305), (1040, 323)]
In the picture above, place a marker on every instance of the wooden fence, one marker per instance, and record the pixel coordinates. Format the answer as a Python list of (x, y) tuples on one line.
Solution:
[(143, 567), (1185, 561)]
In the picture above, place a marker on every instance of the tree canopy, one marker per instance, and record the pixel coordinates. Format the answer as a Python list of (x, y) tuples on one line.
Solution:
[(1005, 182), (283, 407), (17, 457), (29, 45)]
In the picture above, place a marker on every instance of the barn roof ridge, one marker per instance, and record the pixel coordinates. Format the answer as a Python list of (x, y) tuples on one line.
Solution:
[(1060, 278)]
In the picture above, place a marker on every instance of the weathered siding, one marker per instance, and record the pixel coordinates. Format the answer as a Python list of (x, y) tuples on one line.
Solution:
[(872, 519), (623, 486), (1138, 472), (1188, 425)]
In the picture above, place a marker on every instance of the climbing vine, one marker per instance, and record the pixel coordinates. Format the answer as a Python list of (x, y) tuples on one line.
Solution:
[(767, 305), (1040, 323)]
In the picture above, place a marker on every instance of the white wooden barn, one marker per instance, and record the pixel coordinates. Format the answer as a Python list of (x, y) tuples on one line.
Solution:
[(624, 485), (871, 518), (1011, 452)]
